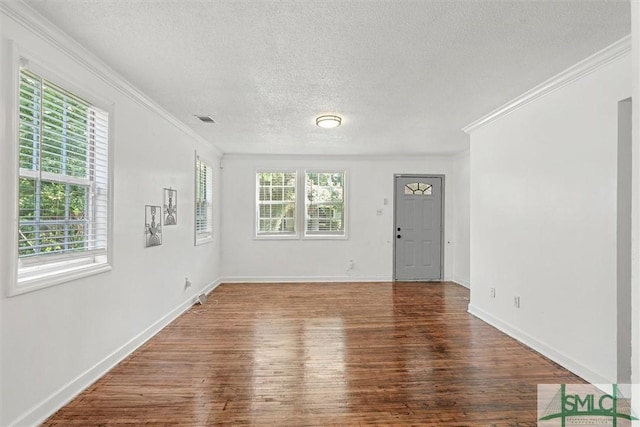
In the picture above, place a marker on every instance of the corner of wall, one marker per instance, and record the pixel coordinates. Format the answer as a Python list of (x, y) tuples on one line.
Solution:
[(635, 210)]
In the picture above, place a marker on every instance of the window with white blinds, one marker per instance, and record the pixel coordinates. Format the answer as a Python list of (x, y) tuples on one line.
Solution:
[(63, 192), (204, 205), (325, 208), (276, 203), (317, 211)]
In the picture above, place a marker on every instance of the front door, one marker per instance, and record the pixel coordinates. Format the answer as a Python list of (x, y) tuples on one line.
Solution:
[(418, 227)]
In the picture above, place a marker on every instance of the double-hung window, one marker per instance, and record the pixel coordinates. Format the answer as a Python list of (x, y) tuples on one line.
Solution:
[(63, 184), (203, 202), (324, 204), (319, 210), (276, 204)]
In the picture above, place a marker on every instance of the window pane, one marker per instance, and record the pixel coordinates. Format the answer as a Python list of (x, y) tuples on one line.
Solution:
[(290, 179), (418, 189), (78, 201), (203, 202), (65, 132), (26, 240), (27, 199), (277, 193), (325, 203), (52, 217), (51, 238), (64, 136), (77, 234), (30, 98), (52, 200), (277, 211), (276, 199), (290, 194)]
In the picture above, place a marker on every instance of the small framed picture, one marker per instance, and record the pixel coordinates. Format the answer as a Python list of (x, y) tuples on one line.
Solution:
[(170, 208), (152, 226)]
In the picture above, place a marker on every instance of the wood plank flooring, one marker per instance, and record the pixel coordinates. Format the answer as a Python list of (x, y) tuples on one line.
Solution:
[(323, 354)]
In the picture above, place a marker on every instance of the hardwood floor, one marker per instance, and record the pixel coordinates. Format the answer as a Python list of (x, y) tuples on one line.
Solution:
[(323, 354)]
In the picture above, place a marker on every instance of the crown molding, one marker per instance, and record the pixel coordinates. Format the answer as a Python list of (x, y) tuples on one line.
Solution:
[(30, 19), (581, 69), (340, 157)]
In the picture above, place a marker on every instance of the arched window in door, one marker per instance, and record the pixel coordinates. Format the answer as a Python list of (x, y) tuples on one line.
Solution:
[(418, 189)]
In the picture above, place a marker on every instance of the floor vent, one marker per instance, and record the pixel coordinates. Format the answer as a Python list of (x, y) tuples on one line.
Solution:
[(202, 298)]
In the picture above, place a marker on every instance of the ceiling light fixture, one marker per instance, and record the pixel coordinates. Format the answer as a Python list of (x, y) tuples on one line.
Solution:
[(328, 121), (205, 119)]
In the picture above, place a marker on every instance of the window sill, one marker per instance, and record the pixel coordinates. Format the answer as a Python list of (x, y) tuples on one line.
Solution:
[(325, 237), (35, 281), (276, 237), (203, 241)]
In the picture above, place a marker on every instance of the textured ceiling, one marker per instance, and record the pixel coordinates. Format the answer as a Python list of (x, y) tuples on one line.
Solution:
[(405, 76)]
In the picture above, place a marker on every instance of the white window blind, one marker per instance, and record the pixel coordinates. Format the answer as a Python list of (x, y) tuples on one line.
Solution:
[(63, 177), (325, 207), (204, 206), (276, 203)]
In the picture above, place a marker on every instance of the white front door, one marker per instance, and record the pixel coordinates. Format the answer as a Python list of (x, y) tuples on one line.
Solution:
[(418, 228)]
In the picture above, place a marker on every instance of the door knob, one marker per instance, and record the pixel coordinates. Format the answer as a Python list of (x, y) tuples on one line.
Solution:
[(398, 236), (398, 228)]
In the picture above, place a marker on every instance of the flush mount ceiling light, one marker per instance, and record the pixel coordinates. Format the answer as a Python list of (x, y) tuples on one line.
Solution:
[(205, 119), (328, 121)]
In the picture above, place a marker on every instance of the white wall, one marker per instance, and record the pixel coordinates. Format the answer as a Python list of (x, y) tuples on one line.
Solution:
[(370, 242), (461, 220), (543, 221), (57, 340)]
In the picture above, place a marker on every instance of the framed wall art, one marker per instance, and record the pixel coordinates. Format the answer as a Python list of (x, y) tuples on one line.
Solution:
[(152, 226), (170, 208)]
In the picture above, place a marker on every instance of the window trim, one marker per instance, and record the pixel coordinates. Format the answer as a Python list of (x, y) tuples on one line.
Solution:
[(207, 237), (61, 269), (256, 203), (301, 206)]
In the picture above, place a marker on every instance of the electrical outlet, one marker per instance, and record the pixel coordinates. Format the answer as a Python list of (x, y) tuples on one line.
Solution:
[(187, 282), (516, 302), (493, 292)]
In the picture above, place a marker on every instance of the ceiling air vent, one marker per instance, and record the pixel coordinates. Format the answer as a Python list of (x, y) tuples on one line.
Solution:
[(205, 119)]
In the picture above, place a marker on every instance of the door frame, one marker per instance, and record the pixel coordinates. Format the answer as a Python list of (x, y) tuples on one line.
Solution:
[(442, 225)]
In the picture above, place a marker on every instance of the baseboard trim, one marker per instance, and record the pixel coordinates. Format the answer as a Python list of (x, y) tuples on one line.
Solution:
[(555, 355), (461, 282), (64, 395), (300, 279)]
